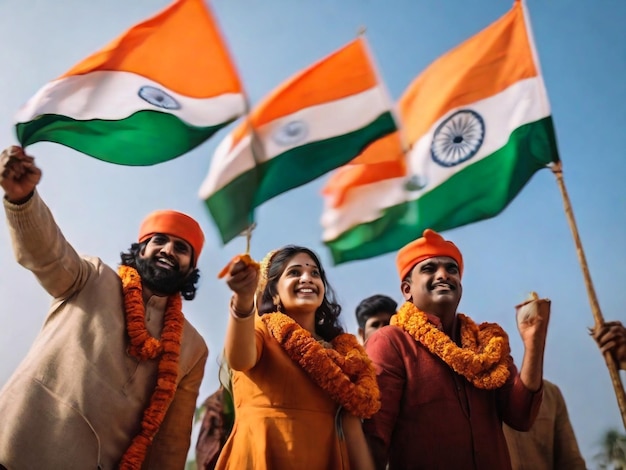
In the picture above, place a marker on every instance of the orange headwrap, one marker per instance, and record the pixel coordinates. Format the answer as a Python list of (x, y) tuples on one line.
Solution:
[(430, 245), (176, 224)]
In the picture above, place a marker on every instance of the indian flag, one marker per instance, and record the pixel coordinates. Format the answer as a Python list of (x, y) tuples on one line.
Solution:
[(383, 159), (156, 92), (479, 126), (320, 119)]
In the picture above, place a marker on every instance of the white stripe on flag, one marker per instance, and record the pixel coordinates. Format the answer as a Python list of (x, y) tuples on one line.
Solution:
[(114, 95), (227, 164), (324, 121), (521, 103), (312, 124)]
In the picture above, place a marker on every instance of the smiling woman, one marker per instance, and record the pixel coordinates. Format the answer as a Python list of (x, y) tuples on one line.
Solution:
[(291, 369)]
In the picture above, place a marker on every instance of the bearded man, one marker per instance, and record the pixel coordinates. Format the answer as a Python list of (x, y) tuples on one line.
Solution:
[(447, 383), (112, 378)]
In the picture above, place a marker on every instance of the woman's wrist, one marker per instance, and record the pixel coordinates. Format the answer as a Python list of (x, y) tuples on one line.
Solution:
[(240, 314)]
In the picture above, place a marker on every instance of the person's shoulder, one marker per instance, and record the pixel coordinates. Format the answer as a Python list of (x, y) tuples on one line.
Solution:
[(191, 335), (260, 327), (548, 384), (388, 334), (389, 331), (551, 391), (194, 350), (100, 268), (98, 263)]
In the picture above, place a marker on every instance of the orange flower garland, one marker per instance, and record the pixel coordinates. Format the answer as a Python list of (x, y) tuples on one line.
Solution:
[(344, 372), (143, 346), (484, 358)]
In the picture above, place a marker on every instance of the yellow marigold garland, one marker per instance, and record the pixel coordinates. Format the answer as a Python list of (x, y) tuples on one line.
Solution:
[(345, 372), (484, 358), (143, 346)]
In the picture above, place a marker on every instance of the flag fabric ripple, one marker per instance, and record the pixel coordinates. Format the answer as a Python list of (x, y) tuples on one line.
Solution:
[(478, 124), (157, 91), (319, 119)]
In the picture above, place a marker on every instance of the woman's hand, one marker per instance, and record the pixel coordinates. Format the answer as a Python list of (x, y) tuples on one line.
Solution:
[(243, 278)]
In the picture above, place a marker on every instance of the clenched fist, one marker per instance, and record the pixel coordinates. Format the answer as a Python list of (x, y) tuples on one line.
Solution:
[(18, 174)]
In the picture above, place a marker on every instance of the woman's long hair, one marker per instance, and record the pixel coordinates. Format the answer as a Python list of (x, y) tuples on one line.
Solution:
[(326, 316)]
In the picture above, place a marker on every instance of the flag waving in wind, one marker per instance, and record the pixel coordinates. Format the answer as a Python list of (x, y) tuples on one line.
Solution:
[(479, 126), (385, 158), (156, 92), (320, 119)]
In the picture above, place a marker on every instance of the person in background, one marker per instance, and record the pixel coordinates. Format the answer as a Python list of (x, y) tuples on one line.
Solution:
[(217, 423), (300, 384), (550, 444), (113, 376), (373, 313), (447, 383)]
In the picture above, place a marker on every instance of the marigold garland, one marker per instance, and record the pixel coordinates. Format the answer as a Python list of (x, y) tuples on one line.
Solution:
[(143, 346), (484, 358), (345, 372)]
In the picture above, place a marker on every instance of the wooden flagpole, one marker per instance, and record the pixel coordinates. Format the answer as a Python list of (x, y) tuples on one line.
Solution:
[(557, 169)]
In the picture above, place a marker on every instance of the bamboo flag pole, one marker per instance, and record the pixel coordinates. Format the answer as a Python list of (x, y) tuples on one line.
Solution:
[(557, 169)]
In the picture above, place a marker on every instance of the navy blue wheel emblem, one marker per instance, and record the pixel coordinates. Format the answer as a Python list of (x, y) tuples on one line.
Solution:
[(458, 138), (157, 97), (291, 133)]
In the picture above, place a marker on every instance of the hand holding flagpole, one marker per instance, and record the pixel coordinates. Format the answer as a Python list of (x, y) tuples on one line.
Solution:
[(244, 258)]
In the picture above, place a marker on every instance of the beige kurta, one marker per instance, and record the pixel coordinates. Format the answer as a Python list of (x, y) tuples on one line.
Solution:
[(77, 399), (550, 444)]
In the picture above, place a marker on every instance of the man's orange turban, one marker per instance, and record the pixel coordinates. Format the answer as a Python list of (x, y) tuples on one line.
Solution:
[(176, 224), (430, 245)]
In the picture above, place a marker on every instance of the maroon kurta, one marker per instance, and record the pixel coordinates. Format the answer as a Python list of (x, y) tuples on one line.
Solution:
[(433, 418)]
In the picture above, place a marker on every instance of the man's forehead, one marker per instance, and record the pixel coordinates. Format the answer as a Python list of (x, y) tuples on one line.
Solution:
[(173, 238), (438, 260)]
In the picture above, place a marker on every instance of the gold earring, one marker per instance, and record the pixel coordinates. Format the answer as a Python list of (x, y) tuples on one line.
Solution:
[(277, 303)]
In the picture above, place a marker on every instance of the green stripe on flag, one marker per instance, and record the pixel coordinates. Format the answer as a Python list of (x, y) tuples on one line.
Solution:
[(231, 206), (144, 138), (302, 164), (478, 192)]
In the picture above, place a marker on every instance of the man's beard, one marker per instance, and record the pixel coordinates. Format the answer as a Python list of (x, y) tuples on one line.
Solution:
[(159, 280)]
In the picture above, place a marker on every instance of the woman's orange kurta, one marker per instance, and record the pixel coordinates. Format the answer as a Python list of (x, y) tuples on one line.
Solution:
[(283, 420)]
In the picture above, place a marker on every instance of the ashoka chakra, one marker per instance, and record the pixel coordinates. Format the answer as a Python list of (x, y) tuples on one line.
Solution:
[(458, 138)]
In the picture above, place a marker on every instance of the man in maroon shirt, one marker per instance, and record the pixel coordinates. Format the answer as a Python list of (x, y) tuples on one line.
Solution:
[(447, 383)]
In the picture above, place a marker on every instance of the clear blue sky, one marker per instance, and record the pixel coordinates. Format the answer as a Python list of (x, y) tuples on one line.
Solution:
[(582, 47)]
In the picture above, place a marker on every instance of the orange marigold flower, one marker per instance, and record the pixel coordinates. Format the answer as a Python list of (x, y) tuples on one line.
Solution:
[(345, 372), (144, 346), (484, 357)]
